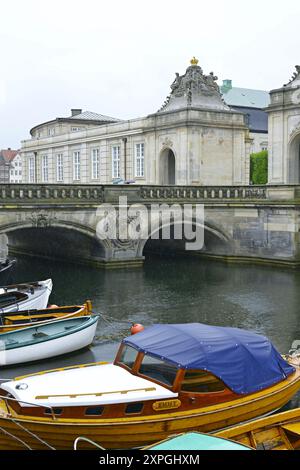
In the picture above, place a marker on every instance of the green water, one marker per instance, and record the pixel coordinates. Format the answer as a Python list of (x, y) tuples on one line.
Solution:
[(263, 299)]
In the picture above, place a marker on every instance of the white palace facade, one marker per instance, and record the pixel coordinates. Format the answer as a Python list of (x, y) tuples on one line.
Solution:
[(194, 139)]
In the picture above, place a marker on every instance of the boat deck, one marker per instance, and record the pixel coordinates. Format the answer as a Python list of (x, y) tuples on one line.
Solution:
[(99, 385)]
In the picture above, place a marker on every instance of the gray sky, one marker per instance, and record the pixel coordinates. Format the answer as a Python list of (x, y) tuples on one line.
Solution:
[(119, 57)]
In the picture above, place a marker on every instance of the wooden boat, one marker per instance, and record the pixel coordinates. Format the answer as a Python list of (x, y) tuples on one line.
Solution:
[(277, 432), (47, 340), (32, 295), (166, 380), (24, 319), (196, 441), (6, 269)]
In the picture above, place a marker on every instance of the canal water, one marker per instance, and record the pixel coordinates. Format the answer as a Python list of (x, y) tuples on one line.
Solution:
[(170, 290)]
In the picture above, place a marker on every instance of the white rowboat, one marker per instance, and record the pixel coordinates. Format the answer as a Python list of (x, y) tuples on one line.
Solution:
[(29, 296), (45, 341)]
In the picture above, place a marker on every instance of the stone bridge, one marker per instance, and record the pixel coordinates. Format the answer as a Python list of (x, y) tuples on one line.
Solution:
[(255, 223)]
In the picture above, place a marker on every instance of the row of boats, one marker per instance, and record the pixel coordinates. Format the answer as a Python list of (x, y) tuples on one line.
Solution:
[(30, 332), (182, 387)]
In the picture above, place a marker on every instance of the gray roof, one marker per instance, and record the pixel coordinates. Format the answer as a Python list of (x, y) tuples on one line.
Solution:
[(90, 116), (257, 119), (246, 97)]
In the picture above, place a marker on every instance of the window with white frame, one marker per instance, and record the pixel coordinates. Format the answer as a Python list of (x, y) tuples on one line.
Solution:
[(59, 167), (31, 170), (140, 160), (45, 169), (95, 164), (116, 161), (76, 166)]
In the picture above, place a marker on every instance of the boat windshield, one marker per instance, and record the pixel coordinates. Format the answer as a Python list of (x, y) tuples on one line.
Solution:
[(158, 370), (128, 356)]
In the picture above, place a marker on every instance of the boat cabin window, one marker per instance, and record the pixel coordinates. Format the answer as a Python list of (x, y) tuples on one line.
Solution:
[(134, 408), (158, 370), (94, 411), (56, 411), (198, 381), (128, 356)]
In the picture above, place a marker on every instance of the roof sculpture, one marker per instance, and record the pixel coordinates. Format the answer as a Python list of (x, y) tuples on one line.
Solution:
[(196, 90)]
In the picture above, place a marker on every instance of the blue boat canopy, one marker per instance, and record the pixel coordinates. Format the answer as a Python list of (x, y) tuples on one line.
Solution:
[(246, 362)]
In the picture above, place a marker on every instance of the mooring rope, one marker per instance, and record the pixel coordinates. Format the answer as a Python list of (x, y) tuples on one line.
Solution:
[(15, 437), (32, 434)]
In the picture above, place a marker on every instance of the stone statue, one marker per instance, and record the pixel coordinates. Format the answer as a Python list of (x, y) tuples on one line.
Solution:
[(211, 81), (295, 76), (176, 84)]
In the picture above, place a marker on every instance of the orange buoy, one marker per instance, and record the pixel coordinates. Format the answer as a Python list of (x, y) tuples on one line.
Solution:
[(137, 328), (53, 306)]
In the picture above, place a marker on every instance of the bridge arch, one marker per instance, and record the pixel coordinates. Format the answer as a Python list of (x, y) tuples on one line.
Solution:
[(216, 241), (62, 240)]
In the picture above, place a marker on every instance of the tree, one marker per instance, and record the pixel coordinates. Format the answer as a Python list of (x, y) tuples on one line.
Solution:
[(259, 167)]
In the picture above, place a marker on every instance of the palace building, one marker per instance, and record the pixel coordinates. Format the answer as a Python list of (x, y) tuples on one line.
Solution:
[(196, 138), (284, 132)]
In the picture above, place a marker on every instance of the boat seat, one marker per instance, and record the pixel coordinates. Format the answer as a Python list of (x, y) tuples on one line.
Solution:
[(11, 341)]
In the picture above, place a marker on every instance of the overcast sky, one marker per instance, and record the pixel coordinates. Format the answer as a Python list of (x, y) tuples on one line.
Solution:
[(119, 57)]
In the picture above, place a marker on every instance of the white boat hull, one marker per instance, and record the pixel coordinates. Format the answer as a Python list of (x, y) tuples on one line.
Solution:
[(36, 301), (52, 348)]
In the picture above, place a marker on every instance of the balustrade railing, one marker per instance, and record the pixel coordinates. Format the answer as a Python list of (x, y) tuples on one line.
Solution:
[(66, 193), (97, 194), (203, 193)]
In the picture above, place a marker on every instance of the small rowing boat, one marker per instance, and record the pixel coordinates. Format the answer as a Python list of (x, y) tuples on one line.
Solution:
[(28, 296), (24, 319), (277, 432), (47, 340), (166, 380)]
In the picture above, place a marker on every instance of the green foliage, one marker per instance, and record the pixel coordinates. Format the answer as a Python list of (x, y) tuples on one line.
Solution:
[(259, 167)]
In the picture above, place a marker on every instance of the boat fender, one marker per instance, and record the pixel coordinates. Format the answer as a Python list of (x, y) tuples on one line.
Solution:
[(53, 306), (137, 328)]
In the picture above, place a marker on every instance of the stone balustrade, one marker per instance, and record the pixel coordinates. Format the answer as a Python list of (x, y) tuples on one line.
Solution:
[(203, 193), (95, 194)]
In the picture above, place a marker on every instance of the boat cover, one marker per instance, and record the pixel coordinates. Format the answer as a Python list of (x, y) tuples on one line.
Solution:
[(246, 362)]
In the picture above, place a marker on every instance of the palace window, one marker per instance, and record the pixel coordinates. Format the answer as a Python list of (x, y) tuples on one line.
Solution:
[(139, 160), (76, 166), (31, 170), (95, 164), (59, 167), (45, 169), (116, 162)]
